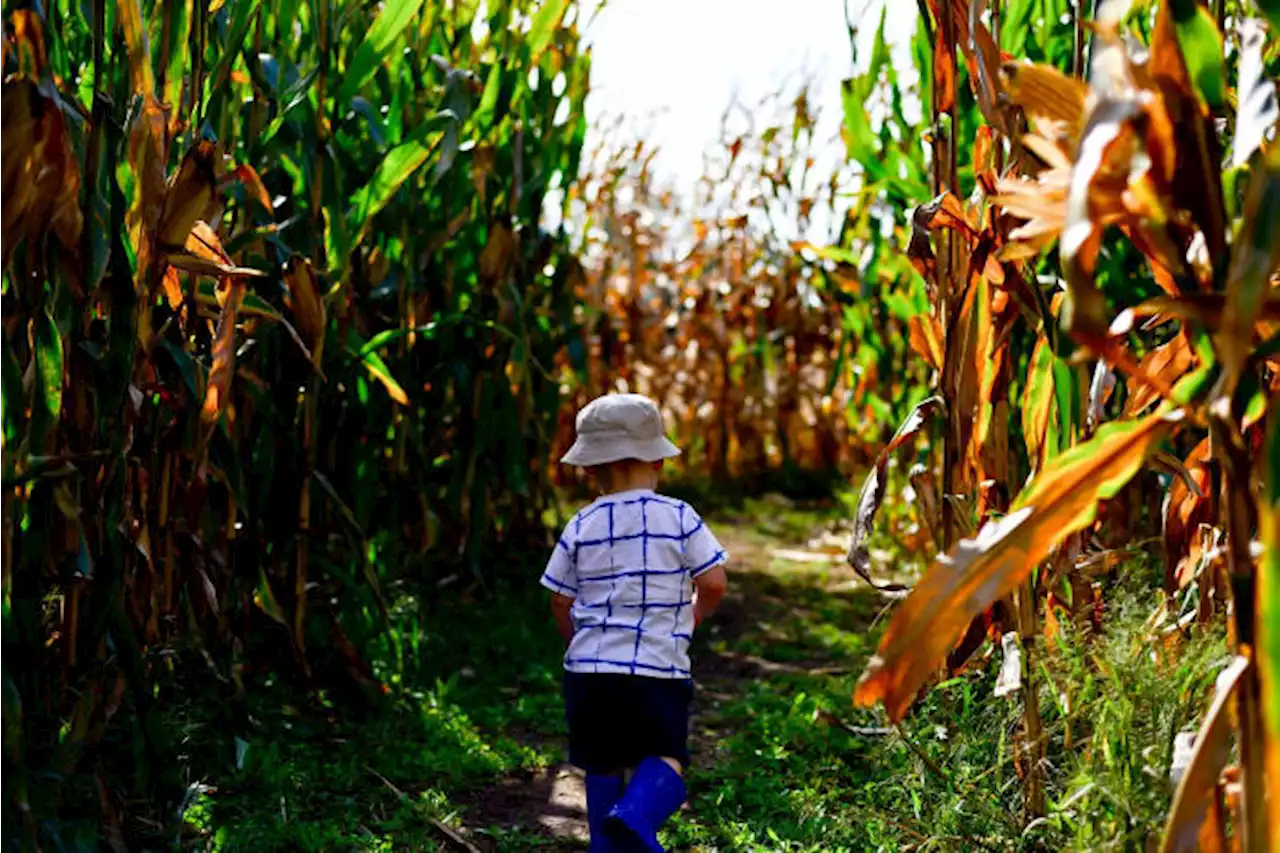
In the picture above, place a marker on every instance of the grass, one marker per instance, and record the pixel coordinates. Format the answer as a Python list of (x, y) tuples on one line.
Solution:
[(782, 760)]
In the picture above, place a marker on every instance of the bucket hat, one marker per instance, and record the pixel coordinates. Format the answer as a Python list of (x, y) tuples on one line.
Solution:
[(616, 427)]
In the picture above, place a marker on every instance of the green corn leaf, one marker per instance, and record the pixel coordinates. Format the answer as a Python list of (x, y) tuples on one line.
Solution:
[(253, 305), (489, 99), (1268, 621), (1066, 397), (289, 99), (178, 13), (266, 600), (10, 705), (858, 133), (12, 406), (544, 27), (46, 405), (100, 156), (286, 14), (242, 17), (376, 366), (1037, 400), (1271, 8), (1201, 45), (401, 162), (377, 45)]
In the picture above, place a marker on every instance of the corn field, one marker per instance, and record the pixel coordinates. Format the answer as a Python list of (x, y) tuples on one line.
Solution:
[(750, 338), (289, 338)]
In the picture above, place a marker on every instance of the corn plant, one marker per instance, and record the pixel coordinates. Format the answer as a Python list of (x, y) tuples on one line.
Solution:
[(279, 321), (1157, 220)]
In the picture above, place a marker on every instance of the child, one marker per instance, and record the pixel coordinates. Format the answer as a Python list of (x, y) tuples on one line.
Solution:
[(632, 576)]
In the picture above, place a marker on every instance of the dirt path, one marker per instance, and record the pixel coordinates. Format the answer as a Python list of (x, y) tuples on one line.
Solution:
[(546, 810)]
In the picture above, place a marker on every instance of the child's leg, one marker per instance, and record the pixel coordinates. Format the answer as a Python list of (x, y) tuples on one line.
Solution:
[(654, 793), (603, 792), (671, 762), (655, 787)]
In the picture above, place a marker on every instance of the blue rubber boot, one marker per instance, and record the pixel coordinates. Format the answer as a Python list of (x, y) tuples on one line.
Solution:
[(603, 793), (656, 792)]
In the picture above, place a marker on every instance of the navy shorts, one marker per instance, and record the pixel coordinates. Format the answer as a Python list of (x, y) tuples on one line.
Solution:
[(616, 720)]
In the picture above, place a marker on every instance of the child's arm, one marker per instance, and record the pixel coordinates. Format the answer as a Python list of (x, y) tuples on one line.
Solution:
[(561, 609), (705, 558), (708, 589), (561, 578)]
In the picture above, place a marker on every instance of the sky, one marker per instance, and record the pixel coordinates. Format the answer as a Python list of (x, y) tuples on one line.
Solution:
[(675, 64)]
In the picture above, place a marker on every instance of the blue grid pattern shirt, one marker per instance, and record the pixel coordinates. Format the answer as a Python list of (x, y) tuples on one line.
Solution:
[(628, 560)]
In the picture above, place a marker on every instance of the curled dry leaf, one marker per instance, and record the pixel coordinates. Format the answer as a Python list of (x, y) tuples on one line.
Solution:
[(1206, 309), (944, 212), (872, 492), (147, 157), (253, 186), (1171, 360), (172, 286), (41, 178), (307, 304), (1185, 509), (203, 254), (925, 337), (1063, 499), (944, 77), (1200, 778), (498, 252), (189, 195), (1102, 176), (218, 391), (1041, 201), (1146, 163), (1170, 464), (1181, 135)]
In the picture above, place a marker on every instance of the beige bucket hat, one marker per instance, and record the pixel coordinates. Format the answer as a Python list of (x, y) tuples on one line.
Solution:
[(616, 427)]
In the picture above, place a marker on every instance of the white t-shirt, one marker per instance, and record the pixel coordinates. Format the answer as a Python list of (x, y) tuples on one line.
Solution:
[(628, 560)]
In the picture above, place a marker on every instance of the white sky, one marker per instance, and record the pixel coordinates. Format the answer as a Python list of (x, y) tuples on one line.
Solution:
[(675, 64)]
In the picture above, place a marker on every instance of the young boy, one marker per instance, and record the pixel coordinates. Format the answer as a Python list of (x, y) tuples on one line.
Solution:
[(631, 577)]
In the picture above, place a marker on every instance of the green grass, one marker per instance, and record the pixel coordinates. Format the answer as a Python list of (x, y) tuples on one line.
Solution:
[(476, 699)]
